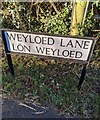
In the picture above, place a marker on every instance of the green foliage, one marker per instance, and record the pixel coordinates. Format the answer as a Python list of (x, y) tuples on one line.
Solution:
[(59, 23), (30, 17)]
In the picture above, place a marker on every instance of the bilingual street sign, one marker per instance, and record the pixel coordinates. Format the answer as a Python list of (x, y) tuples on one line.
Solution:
[(66, 47), (75, 49)]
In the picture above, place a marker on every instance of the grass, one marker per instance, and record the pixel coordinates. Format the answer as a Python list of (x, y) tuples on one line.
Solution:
[(55, 83)]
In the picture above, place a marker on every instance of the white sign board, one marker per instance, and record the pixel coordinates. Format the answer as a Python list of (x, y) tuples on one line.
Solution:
[(49, 45)]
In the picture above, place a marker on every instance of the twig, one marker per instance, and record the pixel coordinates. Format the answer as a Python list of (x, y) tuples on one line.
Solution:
[(33, 103), (96, 30), (30, 14), (16, 9), (37, 113), (37, 11), (5, 91), (22, 104), (54, 6), (78, 76), (85, 11)]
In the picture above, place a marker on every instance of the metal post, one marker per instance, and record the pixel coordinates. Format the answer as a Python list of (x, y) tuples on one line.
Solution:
[(83, 73), (9, 60), (10, 64)]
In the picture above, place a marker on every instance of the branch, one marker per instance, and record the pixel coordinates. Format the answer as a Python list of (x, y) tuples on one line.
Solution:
[(85, 11), (54, 6)]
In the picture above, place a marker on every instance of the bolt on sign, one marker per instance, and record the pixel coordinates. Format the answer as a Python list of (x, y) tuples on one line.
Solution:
[(76, 49)]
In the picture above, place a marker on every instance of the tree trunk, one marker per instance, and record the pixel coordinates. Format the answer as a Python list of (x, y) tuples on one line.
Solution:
[(77, 16)]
